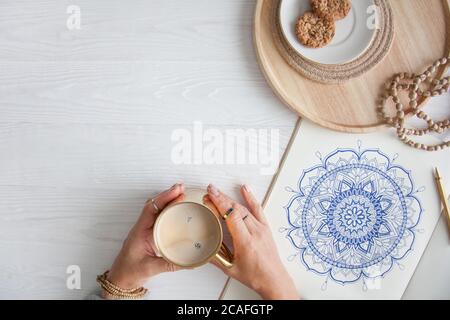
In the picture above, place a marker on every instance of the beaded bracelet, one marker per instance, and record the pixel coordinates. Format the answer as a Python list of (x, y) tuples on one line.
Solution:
[(116, 292), (436, 87)]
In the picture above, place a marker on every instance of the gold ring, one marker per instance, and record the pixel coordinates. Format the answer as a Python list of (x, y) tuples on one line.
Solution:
[(154, 205), (227, 214)]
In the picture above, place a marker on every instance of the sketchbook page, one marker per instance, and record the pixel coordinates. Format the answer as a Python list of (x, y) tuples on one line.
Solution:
[(351, 214), (433, 285)]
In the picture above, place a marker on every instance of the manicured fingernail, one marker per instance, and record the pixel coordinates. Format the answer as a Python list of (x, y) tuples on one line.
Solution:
[(175, 185), (246, 188), (213, 190)]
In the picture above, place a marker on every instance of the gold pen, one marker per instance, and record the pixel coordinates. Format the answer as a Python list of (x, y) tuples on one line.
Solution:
[(442, 194)]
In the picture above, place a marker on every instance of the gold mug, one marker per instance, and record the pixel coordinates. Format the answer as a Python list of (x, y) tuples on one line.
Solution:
[(188, 232)]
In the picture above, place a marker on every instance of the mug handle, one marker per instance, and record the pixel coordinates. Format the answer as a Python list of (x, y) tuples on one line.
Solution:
[(225, 256)]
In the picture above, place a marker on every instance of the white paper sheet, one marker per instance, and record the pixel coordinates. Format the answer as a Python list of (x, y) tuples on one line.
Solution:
[(392, 239)]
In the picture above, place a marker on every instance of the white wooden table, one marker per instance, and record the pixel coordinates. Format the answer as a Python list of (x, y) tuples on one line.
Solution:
[(86, 118)]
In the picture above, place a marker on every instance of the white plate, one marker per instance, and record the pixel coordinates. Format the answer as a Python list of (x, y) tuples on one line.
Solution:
[(352, 37)]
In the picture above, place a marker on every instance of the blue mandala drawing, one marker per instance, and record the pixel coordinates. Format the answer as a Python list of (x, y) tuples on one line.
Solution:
[(353, 216)]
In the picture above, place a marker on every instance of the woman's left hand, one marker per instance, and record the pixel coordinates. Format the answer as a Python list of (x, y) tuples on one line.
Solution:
[(137, 260)]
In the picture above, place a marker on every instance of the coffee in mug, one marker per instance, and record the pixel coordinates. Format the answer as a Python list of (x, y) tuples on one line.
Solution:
[(188, 233)]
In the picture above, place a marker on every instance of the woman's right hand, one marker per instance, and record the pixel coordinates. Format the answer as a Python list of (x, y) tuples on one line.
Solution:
[(256, 261)]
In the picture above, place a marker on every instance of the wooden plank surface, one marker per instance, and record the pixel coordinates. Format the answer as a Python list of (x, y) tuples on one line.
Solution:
[(86, 118)]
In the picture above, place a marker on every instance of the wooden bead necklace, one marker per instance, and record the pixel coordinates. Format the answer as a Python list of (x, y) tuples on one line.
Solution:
[(411, 83)]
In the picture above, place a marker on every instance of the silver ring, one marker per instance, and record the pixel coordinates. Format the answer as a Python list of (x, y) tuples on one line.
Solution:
[(154, 205)]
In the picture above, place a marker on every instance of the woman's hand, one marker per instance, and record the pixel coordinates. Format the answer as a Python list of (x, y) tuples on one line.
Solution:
[(256, 260), (137, 260)]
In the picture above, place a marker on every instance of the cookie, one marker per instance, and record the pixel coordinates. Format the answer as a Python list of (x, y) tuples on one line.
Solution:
[(314, 31), (336, 9)]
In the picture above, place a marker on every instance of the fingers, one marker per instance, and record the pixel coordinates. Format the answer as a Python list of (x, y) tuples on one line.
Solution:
[(253, 204), (167, 196), (250, 222), (234, 221), (149, 213), (248, 218)]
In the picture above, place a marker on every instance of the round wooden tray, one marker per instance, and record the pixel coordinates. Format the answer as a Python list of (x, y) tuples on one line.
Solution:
[(422, 35)]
